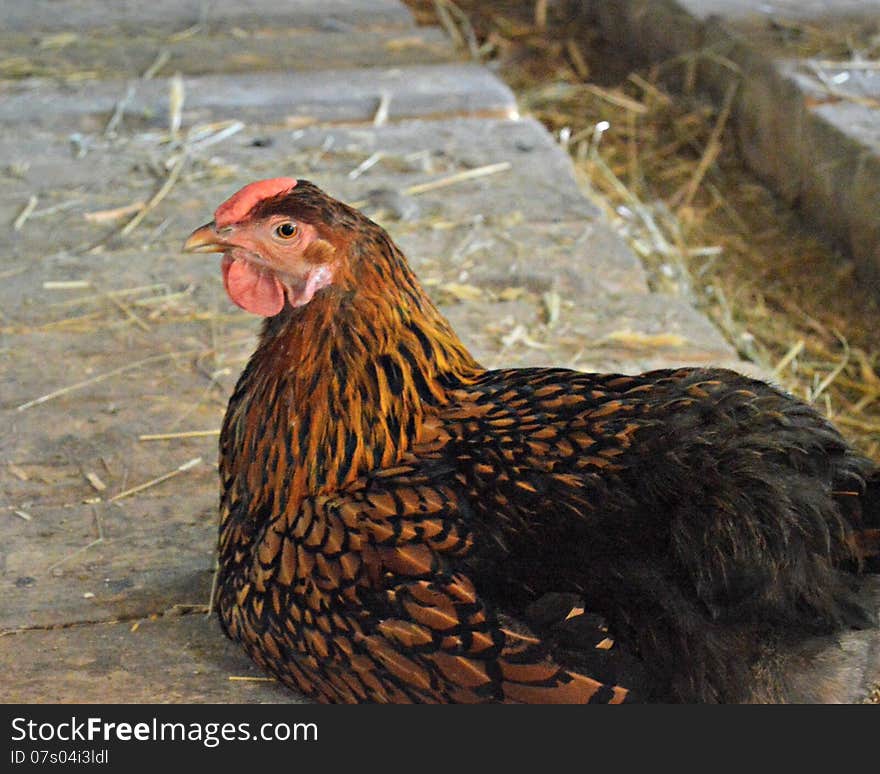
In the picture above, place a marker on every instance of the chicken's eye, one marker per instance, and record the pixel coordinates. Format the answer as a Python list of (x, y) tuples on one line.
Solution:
[(286, 230)]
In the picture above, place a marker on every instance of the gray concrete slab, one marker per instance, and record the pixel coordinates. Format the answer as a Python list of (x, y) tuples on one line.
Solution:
[(770, 10), (154, 556), (223, 50), (847, 98), (583, 259), (82, 16), (294, 98), (174, 659), (627, 334), (537, 187)]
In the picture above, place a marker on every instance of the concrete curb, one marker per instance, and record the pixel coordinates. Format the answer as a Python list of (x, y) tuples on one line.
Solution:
[(812, 148)]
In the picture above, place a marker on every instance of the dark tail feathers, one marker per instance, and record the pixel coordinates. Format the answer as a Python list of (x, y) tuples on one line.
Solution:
[(867, 536)]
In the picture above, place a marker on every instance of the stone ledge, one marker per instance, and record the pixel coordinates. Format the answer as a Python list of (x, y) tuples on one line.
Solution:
[(135, 15), (818, 150)]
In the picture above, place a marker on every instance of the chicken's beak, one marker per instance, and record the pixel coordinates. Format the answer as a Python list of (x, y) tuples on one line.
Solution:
[(205, 240)]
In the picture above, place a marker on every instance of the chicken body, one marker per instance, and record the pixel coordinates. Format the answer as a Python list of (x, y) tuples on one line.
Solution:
[(399, 524)]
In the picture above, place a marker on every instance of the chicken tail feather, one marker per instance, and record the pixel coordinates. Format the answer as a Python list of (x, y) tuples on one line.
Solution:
[(864, 508)]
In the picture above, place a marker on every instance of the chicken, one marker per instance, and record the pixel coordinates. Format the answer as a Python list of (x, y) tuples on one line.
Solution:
[(400, 524)]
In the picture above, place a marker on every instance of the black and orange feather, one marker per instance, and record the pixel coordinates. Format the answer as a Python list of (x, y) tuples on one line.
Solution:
[(399, 524)]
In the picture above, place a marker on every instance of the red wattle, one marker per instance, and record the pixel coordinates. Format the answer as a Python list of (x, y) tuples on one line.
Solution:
[(255, 290)]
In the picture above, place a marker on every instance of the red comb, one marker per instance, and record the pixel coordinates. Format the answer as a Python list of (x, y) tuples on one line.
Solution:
[(240, 204)]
